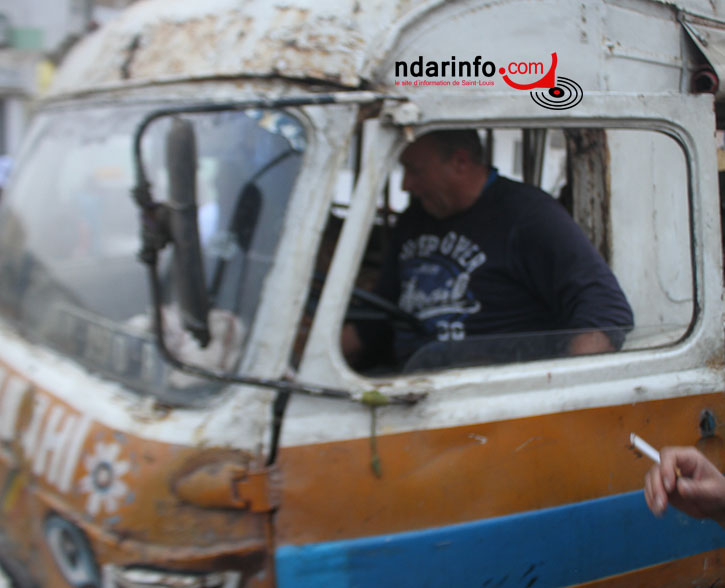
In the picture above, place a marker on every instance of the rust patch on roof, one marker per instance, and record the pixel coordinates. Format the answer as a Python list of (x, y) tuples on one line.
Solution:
[(319, 46), (188, 48), (156, 41)]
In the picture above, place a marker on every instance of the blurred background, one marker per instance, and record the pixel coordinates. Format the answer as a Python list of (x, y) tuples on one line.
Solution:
[(35, 35)]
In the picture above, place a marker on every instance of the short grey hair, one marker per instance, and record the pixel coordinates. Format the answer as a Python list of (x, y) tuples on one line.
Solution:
[(450, 140)]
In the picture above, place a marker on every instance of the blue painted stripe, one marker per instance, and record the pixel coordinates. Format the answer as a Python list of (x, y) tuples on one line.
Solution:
[(551, 547)]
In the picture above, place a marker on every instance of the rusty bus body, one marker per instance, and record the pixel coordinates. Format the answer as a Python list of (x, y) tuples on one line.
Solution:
[(277, 463)]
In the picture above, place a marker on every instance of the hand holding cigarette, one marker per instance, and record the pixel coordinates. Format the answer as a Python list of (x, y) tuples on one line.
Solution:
[(684, 478)]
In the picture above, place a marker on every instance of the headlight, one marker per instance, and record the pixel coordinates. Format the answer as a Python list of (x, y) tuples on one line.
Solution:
[(72, 552)]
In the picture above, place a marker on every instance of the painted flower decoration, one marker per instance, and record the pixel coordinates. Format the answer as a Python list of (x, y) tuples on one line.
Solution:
[(103, 481)]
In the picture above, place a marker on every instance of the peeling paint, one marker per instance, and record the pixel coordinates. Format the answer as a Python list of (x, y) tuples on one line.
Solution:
[(327, 41), (479, 438), (716, 361)]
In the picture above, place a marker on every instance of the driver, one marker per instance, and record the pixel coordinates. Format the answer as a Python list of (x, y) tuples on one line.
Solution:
[(478, 254)]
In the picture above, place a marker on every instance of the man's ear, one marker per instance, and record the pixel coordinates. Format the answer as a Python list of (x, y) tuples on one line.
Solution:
[(461, 160)]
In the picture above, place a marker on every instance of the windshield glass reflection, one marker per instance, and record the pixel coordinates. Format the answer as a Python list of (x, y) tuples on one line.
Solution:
[(69, 274)]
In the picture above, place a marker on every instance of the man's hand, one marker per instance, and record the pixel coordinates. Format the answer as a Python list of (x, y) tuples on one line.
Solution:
[(688, 481), (591, 342), (352, 347)]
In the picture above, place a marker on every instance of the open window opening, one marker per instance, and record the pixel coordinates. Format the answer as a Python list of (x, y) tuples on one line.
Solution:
[(603, 252)]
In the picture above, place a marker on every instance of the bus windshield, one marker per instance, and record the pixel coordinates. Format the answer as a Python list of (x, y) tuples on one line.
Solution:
[(69, 237)]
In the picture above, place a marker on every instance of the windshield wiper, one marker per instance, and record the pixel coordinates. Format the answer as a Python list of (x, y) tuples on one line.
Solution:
[(158, 221)]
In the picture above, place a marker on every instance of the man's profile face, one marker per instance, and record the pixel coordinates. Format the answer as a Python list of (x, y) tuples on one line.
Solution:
[(430, 177)]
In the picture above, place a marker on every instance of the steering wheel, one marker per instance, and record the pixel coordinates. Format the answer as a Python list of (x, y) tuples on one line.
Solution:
[(372, 307)]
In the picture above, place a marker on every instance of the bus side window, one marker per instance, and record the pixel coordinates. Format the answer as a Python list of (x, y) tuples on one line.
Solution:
[(637, 219)]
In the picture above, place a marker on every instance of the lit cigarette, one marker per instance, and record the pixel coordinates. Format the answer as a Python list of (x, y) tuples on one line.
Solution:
[(644, 448)]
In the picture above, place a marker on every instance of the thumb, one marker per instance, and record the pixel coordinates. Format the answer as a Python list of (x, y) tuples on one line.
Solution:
[(689, 488), (685, 486)]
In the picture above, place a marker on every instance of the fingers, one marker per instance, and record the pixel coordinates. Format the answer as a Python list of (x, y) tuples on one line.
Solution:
[(670, 460), (689, 463), (706, 486), (654, 491), (685, 460), (661, 482), (688, 481)]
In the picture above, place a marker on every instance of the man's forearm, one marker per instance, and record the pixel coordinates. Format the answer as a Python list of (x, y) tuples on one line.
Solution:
[(590, 342), (352, 347)]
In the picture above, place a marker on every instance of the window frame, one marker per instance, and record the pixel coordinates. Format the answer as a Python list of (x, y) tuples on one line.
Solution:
[(686, 119)]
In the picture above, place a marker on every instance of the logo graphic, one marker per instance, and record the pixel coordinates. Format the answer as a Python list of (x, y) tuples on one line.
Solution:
[(561, 93), (549, 91)]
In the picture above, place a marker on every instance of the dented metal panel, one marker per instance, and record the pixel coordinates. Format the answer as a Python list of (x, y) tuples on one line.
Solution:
[(109, 477)]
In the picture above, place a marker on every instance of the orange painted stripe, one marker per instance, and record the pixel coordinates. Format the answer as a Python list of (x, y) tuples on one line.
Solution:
[(703, 569), (446, 476)]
